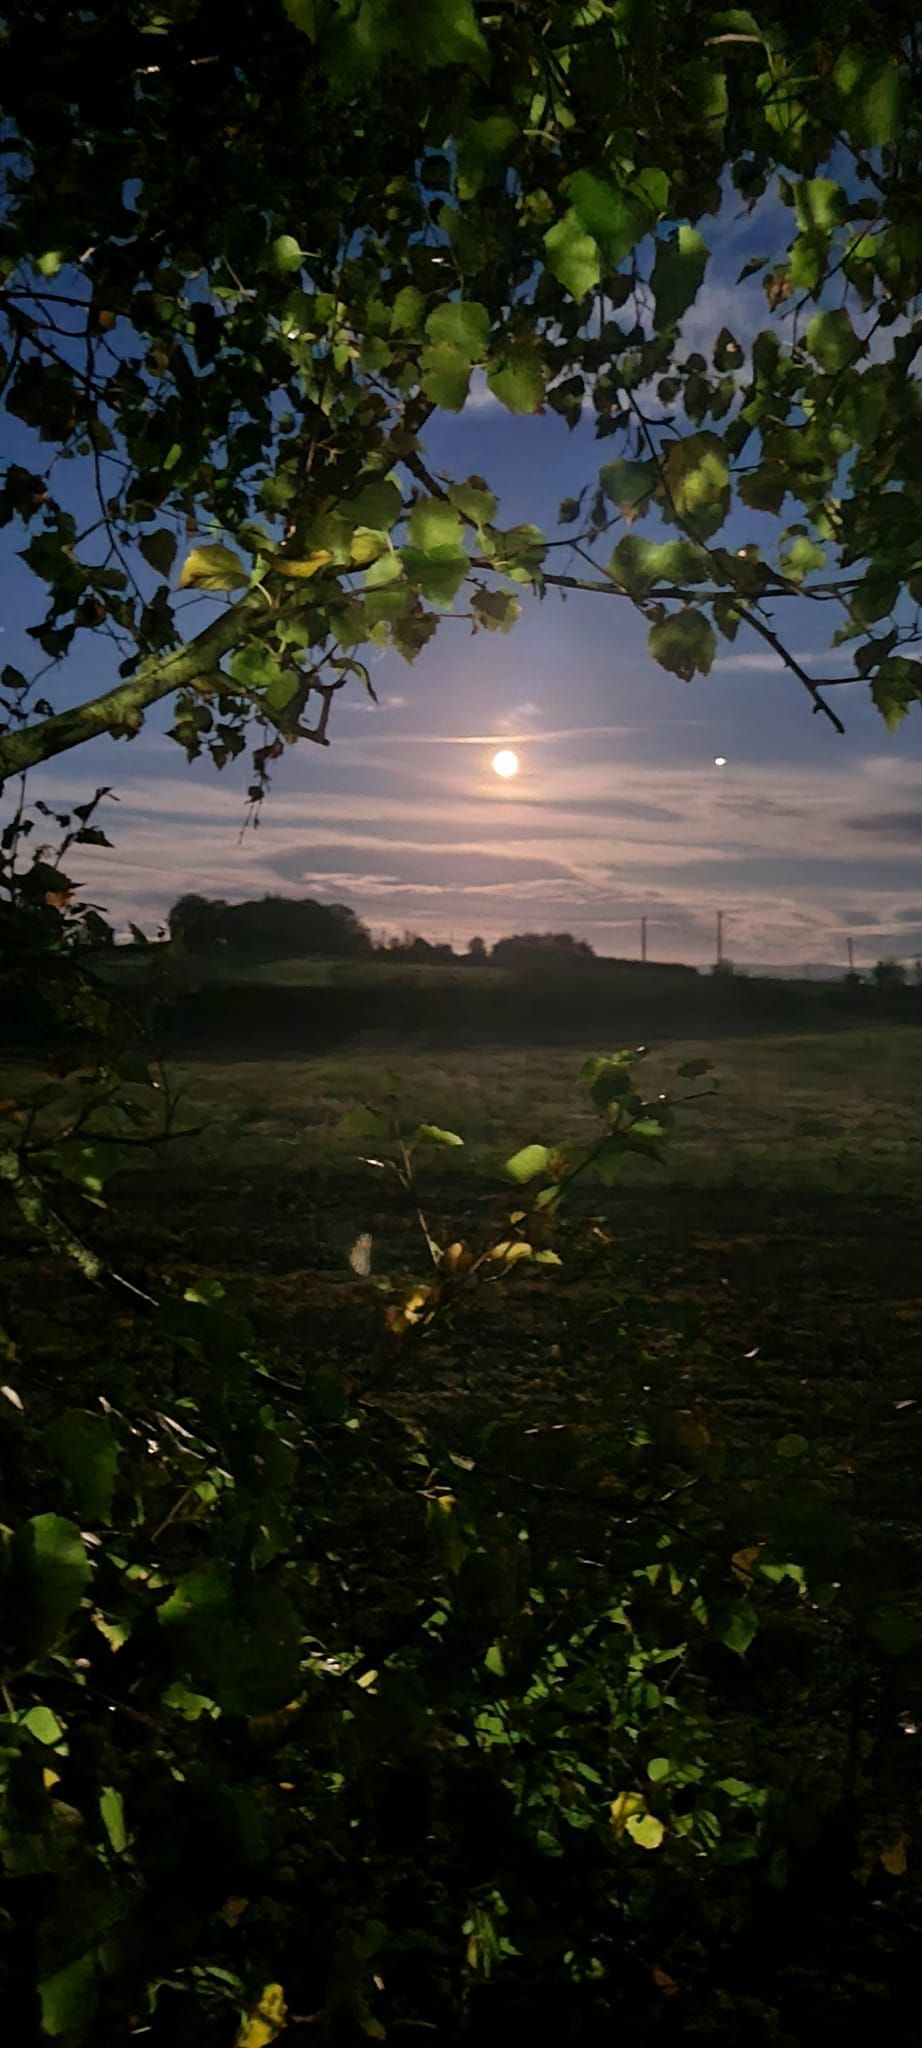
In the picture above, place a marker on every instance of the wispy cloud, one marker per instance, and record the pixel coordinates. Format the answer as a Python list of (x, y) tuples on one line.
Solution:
[(590, 838)]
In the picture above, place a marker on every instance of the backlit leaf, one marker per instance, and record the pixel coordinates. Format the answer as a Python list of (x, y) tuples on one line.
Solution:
[(573, 255), (697, 476), (645, 1830), (685, 643), (531, 1160), (214, 567), (517, 378)]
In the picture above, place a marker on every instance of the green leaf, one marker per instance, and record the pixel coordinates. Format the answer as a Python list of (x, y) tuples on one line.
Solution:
[(68, 1999), (800, 555), (680, 265), (286, 253), (617, 216), (818, 203), (573, 255), (212, 568), (628, 485), (684, 643), (47, 1574), (638, 564), (792, 1446), (44, 1725), (407, 311), (897, 684), (831, 339), (445, 376), (112, 1815), (437, 572), (235, 1637), (435, 558), (484, 149), (303, 14), (740, 1626), (610, 1082), (645, 1830), (658, 1768), (531, 1160), (697, 475), (434, 524), (517, 378), (432, 1134), (377, 505), (84, 1449), (460, 324), (869, 83), (447, 32), (493, 1661), (519, 551), (159, 549), (473, 501)]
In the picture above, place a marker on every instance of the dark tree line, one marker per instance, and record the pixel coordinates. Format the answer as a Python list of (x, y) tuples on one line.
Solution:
[(268, 927), (284, 927)]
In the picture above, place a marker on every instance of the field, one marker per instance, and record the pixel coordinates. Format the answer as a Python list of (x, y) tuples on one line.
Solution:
[(724, 1371)]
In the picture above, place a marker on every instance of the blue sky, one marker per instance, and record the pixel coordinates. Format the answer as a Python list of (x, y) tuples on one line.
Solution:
[(619, 810)]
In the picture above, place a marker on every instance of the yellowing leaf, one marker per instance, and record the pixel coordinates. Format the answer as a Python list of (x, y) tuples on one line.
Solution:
[(645, 1830), (212, 568), (625, 1807), (309, 565), (268, 2019)]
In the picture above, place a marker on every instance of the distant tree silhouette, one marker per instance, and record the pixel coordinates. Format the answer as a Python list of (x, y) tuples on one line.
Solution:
[(269, 927), (889, 974), (417, 950), (195, 923), (542, 952)]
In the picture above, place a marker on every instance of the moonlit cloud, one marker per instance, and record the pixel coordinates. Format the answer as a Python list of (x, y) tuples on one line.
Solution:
[(589, 839)]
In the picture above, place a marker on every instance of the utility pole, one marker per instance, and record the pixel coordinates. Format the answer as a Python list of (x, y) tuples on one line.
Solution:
[(851, 955), (643, 940), (720, 938)]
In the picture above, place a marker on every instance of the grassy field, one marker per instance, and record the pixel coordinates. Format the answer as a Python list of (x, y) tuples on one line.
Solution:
[(830, 1114), (754, 1301)]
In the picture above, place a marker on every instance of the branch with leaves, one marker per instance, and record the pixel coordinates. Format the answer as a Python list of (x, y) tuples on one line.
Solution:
[(243, 389)]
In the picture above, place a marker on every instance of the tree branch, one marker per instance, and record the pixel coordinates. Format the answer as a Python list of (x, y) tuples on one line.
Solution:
[(790, 661), (122, 709)]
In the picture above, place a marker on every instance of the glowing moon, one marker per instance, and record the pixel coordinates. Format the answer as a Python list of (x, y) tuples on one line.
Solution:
[(505, 763), (720, 760)]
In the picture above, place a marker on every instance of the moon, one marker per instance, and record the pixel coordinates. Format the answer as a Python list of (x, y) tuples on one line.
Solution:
[(505, 763)]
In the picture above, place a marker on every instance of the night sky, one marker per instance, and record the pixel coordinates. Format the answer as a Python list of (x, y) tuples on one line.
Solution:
[(619, 809)]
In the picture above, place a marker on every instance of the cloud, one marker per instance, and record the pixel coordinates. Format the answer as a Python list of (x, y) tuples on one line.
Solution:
[(589, 836), (759, 662), (893, 824)]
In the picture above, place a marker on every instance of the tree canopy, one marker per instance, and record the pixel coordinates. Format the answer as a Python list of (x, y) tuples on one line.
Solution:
[(272, 928), (247, 251)]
